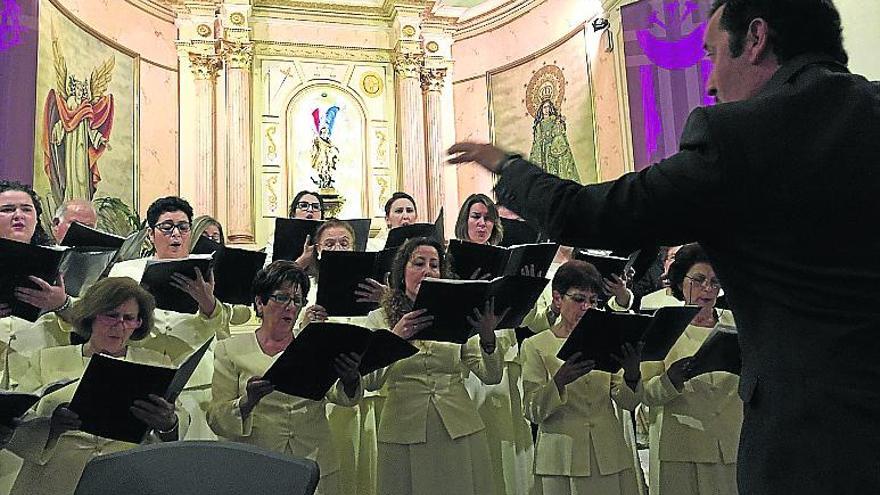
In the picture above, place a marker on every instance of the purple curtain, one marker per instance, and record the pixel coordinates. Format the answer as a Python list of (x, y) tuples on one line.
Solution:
[(666, 72), (18, 82)]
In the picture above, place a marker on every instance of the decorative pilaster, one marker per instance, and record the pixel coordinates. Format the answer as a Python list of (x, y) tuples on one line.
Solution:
[(408, 67), (205, 67), (433, 80), (239, 213)]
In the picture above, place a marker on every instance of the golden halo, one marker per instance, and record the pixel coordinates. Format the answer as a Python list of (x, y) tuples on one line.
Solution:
[(548, 83)]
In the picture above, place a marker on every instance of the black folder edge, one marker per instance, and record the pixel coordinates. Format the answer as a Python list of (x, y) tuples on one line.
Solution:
[(15, 404), (592, 321), (179, 375), (92, 237), (718, 345)]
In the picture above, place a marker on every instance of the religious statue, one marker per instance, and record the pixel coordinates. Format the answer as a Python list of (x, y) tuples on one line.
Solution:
[(325, 155), (550, 148), (544, 96), (77, 120)]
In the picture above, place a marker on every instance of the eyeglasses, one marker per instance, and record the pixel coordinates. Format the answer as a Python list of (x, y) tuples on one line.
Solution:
[(582, 299), (306, 206), (712, 284), (110, 319), (216, 237), (286, 299), (330, 243), (168, 227)]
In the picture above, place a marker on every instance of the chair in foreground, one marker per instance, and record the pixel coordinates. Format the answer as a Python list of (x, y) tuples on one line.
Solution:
[(196, 468)]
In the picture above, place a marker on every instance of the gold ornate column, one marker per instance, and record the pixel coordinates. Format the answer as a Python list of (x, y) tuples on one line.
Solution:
[(238, 53), (432, 83), (408, 67), (204, 69)]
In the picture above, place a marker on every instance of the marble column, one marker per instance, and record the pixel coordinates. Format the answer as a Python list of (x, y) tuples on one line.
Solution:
[(408, 67), (205, 68), (432, 84), (239, 211)]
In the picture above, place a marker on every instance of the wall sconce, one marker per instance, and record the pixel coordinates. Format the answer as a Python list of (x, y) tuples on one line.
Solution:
[(603, 24)]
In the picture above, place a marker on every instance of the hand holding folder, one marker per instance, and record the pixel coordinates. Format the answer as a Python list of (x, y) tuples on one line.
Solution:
[(600, 335), (110, 386), (307, 367), (14, 404)]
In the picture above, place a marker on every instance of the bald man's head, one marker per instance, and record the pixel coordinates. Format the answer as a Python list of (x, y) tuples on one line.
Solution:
[(74, 210)]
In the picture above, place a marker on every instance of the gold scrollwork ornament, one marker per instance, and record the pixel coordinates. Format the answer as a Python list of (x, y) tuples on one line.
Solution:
[(372, 84)]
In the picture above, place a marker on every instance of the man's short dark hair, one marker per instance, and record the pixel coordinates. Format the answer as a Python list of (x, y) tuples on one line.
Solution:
[(165, 205), (796, 26)]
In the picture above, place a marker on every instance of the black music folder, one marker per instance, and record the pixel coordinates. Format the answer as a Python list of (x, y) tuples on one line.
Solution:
[(518, 232), (719, 352), (83, 266), (18, 261), (361, 228), (82, 235), (110, 386), (450, 302), (608, 264), (157, 280), (340, 272), (399, 235), (290, 235), (305, 368), (234, 272), (667, 325), (601, 334), (496, 261), (14, 404)]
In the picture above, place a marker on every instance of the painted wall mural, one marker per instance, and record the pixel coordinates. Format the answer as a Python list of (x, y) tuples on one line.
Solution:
[(666, 72), (86, 133), (542, 107)]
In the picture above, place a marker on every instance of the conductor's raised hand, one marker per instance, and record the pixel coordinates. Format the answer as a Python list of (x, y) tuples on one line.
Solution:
[(46, 296), (256, 389), (370, 290), (412, 323), (573, 368), (201, 289), (486, 155)]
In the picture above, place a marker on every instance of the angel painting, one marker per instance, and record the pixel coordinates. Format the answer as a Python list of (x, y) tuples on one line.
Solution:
[(77, 120), (325, 155)]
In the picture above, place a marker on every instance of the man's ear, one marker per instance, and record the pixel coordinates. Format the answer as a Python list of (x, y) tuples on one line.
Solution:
[(757, 42)]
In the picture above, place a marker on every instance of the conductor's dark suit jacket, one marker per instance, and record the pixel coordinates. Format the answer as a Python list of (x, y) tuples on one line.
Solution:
[(783, 192)]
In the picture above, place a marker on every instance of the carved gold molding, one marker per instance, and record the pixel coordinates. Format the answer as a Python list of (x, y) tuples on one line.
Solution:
[(238, 55), (372, 84), (205, 66), (303, 50), (433, 78), (409, 64)]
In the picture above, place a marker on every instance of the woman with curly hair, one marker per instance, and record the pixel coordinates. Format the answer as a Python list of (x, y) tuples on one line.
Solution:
[(431, 437)]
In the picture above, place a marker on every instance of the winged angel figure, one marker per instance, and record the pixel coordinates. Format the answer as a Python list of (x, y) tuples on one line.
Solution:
[(77, 120)]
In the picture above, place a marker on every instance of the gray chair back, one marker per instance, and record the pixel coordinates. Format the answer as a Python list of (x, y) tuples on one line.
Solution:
[(196, 468)]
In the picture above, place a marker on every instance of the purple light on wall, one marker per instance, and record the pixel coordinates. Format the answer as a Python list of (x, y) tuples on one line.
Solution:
[(653, 126), (673, 55), (666, 72), (10, 24)]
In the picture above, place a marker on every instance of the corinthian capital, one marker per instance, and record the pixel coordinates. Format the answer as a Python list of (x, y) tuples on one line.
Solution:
[(409, 64), (238, 55), (205, 66), (432, 79)]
